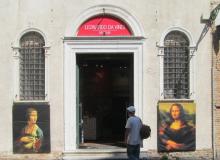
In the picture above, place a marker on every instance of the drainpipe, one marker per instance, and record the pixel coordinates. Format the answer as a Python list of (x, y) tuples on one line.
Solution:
[(212, 107), (213, 39)]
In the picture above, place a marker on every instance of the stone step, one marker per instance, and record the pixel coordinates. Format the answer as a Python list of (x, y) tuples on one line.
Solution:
[(103, 155)]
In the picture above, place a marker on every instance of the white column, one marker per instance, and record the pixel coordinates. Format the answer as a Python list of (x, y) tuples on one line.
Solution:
[(16, 55), (69, 99)]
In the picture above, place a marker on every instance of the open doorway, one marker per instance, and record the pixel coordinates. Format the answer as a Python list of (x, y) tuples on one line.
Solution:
[(105, 90)]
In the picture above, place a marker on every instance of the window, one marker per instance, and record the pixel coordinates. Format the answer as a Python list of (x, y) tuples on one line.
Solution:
[(32, 67), (176, 66)]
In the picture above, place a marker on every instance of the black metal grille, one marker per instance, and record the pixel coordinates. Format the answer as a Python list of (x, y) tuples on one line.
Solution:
[(32, 67), (176, 66)]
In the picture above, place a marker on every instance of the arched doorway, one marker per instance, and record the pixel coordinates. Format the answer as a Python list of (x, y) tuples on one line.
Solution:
[(102, 76)]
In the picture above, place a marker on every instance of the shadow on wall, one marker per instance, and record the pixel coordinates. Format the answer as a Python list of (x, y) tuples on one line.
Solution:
[(216, 38)]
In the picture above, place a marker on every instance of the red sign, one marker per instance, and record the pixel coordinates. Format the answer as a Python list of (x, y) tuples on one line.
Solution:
[(104, 26)]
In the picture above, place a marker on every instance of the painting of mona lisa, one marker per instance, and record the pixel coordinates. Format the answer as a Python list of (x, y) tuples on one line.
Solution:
[(31, 132), (176, 127)]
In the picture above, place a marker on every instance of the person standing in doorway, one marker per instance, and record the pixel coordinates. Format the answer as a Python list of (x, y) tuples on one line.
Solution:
[(132, 134)]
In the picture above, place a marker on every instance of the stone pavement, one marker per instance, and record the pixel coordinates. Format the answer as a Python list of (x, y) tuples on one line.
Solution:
[(148, 156), (100, 155)]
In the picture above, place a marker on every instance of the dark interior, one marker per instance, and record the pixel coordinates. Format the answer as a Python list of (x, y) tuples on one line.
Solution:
[(105, 90)]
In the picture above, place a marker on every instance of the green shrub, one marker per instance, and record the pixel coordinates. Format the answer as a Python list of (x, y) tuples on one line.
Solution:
[(164, 157)]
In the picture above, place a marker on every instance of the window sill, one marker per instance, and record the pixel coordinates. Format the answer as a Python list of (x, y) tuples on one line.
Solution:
[(31, 102), (176, 100)]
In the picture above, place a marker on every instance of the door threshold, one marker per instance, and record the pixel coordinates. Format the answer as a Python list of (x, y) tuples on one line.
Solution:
[(100, 150), (106, 146)]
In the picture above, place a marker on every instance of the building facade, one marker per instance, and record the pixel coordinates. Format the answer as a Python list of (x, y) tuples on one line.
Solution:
[(71, 68), (216, 111)]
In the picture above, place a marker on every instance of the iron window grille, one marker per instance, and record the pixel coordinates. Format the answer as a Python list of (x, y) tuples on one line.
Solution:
[(176, 66), (32, 67)]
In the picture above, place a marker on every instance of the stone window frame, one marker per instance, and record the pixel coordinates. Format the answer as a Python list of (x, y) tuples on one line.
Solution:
[(16, 66), (192, 50)]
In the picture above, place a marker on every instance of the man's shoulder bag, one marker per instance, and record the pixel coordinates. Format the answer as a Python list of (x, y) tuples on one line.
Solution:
[(145, 131)]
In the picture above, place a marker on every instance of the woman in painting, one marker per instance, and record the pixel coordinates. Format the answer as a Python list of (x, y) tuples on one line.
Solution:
[(176, 135), (31, 137)]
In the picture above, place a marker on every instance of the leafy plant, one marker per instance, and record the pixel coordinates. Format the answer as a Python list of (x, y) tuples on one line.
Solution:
[(164, 157)]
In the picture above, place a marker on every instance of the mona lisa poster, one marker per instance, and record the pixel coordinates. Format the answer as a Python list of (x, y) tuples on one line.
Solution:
[(31, 128), (176, 126)]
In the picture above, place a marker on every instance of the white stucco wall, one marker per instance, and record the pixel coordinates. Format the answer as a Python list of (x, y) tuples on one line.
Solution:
[(54, 17)]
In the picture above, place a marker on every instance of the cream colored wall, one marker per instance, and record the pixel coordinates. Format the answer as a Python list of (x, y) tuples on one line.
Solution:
[(52, 17)]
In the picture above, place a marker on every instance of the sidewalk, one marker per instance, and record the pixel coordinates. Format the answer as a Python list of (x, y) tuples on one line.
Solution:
[(109, 155)]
